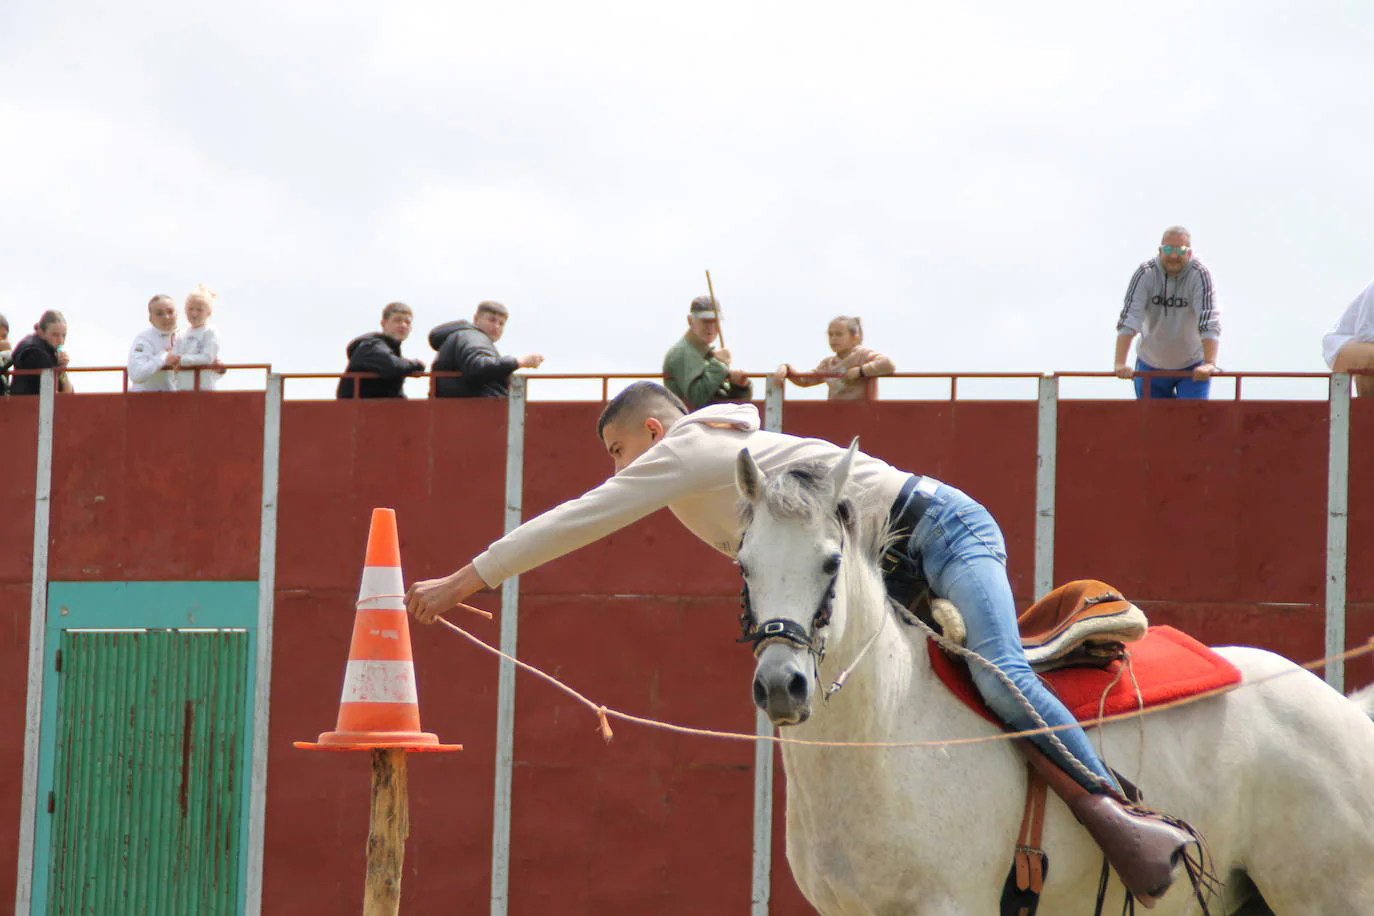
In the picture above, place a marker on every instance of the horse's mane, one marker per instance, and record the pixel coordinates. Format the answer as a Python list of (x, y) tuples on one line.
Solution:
[(799, 492)]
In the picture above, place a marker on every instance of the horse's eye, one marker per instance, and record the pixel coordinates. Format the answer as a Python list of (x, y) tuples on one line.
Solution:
[(831, 565)]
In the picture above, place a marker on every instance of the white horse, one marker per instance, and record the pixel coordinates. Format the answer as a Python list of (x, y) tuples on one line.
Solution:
[(1279, 777)]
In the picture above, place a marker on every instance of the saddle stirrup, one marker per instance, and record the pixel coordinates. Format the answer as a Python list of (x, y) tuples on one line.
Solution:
[(1144, 849)]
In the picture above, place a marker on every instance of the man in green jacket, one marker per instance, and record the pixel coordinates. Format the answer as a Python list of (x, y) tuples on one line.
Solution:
[(694, 371)]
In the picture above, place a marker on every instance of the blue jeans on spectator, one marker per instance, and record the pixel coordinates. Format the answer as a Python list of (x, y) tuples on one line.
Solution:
[(1172, 387), (961, 551)]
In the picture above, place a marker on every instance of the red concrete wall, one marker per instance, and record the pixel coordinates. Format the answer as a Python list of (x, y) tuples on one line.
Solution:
[(18, 425), (1212, 515)]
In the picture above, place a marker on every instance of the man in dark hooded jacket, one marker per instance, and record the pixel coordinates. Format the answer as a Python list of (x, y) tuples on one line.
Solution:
[(469, 347), (380, 353)]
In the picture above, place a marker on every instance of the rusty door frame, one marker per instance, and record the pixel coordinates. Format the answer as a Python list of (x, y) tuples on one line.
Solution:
[(130, 606)]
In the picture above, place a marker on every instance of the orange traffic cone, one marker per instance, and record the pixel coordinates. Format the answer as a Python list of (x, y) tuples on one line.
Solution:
[(380, 706)]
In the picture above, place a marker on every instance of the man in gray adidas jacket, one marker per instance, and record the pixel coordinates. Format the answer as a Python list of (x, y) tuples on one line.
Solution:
[(1171, 304)]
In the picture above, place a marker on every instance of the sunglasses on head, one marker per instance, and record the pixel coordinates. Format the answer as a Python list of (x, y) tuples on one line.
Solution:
[(1175, 249)]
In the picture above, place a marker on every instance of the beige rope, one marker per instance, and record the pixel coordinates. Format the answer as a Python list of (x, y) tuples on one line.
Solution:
[(604, 714)]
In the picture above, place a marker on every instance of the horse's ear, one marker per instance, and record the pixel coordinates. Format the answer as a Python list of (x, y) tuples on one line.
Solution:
[(748, 476), (839, 474)]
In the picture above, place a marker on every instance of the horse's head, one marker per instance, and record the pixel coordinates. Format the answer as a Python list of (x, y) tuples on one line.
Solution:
[(796, 525)]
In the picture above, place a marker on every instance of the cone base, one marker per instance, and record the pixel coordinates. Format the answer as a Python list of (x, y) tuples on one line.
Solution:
[(367, 741)]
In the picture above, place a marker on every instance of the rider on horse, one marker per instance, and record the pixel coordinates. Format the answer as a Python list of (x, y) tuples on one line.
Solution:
[(666, 457)]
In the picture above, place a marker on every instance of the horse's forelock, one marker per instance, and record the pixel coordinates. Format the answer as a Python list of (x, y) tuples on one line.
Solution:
[(798, 492)]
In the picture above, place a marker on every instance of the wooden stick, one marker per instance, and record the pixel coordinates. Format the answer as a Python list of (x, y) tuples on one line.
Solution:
[(720, 325), (388, 827)]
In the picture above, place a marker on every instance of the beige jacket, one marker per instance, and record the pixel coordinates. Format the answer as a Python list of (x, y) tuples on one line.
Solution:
[(691, 471)]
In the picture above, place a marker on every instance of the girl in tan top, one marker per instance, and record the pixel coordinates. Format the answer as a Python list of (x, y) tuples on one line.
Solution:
[(854, 363)]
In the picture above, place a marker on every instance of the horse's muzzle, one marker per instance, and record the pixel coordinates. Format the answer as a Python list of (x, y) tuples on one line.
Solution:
[(783, 685)]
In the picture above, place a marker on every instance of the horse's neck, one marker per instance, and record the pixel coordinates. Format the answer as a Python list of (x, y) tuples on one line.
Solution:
[(891, 693)]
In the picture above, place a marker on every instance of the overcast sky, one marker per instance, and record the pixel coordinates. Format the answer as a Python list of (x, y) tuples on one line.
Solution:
[(976, 180)]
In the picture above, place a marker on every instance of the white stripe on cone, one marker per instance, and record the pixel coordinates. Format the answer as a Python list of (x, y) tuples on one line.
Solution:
[(371, 681), (383, 589)]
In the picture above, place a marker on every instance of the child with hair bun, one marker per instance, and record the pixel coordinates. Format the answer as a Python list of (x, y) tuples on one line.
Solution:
[(198, 345)]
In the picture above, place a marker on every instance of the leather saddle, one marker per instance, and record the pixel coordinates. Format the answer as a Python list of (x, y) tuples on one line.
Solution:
[(1083, 623)]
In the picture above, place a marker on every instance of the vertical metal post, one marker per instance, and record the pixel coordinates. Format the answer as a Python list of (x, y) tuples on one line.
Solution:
[(1046, 461), (1337, 506), (262, 672), (505, 683), (38, 627), (762, 877)]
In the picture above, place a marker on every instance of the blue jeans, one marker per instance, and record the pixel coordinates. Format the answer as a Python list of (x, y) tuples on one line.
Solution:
[(1172, 387), (961, 551)]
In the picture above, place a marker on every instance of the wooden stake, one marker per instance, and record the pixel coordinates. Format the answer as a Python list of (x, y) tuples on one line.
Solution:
[(388, 827), (720, 325)]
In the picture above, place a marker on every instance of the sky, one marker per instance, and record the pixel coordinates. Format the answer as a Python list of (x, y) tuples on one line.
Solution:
[(976, 180)]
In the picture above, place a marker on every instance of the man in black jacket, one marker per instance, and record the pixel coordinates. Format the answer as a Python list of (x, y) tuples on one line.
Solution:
[(469, 347), (380, 353)]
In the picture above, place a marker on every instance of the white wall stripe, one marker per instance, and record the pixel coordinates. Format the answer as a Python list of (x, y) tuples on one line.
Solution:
[(374, 681), (1337, 520), (1046, 467), (505, 678), (761, 884), (38, 628), (262, 680)]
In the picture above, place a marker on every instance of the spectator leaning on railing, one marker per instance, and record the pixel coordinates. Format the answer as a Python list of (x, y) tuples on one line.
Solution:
[(1171, 304), (380, 353), (695, 372), (5, 353), (469, 347), (43, 349), (1350, 345), (853, 364), (151, 355), (197, 347)]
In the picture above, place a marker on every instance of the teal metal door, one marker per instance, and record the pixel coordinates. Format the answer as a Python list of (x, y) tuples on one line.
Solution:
[(146, 788), (145, 750)]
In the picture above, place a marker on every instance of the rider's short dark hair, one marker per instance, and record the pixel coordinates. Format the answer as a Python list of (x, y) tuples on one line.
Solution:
[(649, 398)]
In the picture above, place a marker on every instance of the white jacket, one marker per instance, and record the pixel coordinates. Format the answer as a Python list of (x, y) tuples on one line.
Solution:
[(1356, 324), (691, 471), (147, 356), (197, 347)]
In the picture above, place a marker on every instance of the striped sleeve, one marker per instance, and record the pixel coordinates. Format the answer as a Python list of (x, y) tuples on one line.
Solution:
[(1133, 309), (1208, 312)]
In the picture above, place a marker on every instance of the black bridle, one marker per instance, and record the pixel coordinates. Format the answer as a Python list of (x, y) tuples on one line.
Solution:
[(786, 629)]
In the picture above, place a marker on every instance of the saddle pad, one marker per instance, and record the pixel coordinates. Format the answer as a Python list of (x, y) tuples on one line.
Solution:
[(1168, 664)]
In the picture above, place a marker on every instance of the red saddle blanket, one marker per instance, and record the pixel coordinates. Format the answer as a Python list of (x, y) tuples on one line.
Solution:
[(1168, 665)]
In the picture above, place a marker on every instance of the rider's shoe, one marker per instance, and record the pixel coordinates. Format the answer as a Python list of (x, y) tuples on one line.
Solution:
[(1143, 848)]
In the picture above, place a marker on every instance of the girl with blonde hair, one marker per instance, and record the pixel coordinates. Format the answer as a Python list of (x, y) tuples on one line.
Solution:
[(198, 345)]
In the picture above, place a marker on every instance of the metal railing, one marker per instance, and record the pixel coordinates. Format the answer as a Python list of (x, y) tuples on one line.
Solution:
[(123, 372), (607, 380)]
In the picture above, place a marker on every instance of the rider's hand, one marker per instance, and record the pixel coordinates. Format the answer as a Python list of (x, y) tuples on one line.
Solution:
[(430, 599), (1204, 371), (530, 361), (1123, 370)]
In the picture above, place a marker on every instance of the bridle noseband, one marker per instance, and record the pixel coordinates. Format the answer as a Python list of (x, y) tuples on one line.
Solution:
[(786, 629)]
